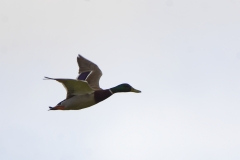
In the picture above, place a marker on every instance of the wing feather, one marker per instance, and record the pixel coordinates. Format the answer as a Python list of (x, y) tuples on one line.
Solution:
[(74, 87), (89, 71)]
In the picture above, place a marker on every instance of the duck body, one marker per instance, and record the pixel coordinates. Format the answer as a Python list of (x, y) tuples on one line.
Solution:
[(78, 102), (83, 101), (84, 91)]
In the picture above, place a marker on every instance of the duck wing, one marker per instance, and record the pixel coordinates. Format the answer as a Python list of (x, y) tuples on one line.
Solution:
[(90, 72), (74, 87)]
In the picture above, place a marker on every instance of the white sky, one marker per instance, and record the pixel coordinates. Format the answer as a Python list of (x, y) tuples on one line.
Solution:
[(183, 55)]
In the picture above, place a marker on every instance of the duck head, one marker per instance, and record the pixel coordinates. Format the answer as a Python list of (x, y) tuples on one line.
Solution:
[(124, 88)]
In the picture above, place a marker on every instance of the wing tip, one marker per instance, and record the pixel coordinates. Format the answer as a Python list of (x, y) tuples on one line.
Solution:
[(47, 78), (79, 56)]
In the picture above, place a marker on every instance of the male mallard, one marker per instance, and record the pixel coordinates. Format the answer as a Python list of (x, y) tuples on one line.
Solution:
[(85, 91)]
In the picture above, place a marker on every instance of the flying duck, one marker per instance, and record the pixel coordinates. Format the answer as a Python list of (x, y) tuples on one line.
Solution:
[(84, 91)]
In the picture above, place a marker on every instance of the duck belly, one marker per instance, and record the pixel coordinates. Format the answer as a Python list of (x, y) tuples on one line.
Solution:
[(79, 102)]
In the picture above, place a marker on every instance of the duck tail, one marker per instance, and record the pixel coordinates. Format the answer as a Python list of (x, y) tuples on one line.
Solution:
[(56, 108)]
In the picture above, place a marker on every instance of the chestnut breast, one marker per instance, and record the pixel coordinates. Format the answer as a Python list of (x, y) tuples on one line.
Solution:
[(101, 95)]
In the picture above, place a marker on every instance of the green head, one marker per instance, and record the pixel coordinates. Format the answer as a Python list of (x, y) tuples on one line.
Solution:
[(124, 88)]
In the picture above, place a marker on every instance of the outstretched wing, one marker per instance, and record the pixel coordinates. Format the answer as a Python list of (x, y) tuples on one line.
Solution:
[(74, 87), (88, 71)]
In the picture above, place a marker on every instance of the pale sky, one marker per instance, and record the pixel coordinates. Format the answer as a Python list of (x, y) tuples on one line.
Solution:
[(183, 55)]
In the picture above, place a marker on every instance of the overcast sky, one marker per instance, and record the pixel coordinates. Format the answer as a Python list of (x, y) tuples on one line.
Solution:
[(183, 55)]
